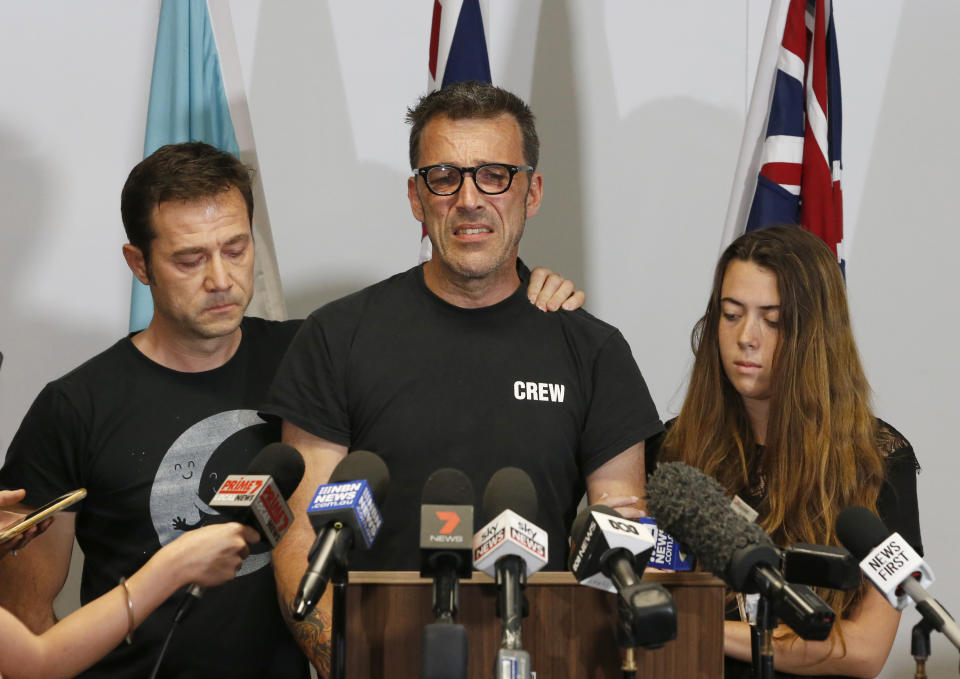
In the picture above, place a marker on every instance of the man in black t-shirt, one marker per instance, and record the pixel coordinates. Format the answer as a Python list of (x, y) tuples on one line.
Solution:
[(153, 424), (446, 365)]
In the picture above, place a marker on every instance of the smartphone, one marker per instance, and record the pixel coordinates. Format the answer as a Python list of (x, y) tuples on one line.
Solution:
[(41, 513)]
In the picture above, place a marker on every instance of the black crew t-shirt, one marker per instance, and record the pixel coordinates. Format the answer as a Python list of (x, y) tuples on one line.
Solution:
[(426, 384)]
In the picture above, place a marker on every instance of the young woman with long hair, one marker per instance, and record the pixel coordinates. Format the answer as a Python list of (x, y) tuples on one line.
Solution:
[(778, 411)]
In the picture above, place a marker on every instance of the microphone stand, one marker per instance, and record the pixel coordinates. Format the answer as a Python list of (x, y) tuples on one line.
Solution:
[(338, 632), (512, 662), (761, 639), (626, 640), (443, 643), (920, 647)]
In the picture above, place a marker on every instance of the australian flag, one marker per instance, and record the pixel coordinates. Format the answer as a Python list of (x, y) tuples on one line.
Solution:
[(458, 52), (799, 179)]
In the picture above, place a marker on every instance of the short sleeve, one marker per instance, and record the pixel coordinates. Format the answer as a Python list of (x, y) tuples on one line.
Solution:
[(46, 454), (897, 504), (621, 412), (309, 388)]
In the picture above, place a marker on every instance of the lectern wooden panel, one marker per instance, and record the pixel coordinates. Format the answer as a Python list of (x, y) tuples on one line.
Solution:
[(569, 633)]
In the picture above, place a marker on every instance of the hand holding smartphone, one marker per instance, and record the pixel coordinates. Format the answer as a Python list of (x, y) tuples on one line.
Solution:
[(41, 513)]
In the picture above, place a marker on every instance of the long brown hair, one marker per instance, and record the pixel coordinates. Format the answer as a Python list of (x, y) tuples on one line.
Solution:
[(821, 452)]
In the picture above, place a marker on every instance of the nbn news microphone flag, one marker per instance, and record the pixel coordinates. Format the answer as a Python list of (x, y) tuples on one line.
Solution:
[(187, 101), (458, 52), (798, 154)]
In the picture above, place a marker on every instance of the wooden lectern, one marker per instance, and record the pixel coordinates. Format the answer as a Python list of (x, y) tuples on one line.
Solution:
[(569, 633)]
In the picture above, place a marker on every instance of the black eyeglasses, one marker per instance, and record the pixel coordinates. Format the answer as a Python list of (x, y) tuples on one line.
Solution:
[(490, 178)]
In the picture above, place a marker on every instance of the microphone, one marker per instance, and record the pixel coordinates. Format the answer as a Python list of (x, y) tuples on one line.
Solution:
[(257, 499), (894, 567), (694, 509), (446, 535), (342, 510), (820, 566), (609, 552), (510, 547), (601, 538)]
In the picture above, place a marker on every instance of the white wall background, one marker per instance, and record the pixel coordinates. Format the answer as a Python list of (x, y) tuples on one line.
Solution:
[(641, 106)]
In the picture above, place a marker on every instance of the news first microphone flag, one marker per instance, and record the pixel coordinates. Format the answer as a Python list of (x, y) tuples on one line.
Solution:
[(789, 167), (458, 52), (197, 94)]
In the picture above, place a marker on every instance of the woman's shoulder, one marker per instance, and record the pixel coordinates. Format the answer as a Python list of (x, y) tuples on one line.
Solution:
[(894, 446)]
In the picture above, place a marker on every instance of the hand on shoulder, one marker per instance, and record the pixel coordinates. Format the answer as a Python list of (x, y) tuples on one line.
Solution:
[(549, 291)]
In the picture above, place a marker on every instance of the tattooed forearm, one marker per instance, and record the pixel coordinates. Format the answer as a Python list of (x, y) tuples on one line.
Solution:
[(313, 636)]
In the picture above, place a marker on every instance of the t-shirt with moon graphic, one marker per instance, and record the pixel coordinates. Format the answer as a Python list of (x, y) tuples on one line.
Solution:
[(151, 446)]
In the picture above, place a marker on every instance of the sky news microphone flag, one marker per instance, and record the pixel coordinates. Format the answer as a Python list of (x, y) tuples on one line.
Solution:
[(189, 102), (789, 167), (458, 52)]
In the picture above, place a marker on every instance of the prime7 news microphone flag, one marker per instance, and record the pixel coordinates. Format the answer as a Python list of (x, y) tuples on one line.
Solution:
[(893, 567), (344, 513), (694, 509), (257, 498), (609, 552), (446, 550), (510, 547)]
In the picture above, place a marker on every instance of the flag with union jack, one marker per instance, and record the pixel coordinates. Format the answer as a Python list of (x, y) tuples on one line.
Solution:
[(458, 52), (798, 181)]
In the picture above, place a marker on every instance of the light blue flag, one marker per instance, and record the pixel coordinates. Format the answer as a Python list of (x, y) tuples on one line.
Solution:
[(187, 101)]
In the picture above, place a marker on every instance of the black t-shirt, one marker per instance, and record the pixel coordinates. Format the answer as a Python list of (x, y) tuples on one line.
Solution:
[(151, 446), (425, 384), (896, 506)]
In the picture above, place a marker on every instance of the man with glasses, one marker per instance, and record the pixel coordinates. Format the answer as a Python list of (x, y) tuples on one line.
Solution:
[(448, 365)]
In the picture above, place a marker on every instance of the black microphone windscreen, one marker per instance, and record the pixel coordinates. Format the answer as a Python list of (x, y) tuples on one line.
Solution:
[(281, 461), (579, 528), (447, 486), (510, 488), (860, 530), (364, 465), (694, 509)]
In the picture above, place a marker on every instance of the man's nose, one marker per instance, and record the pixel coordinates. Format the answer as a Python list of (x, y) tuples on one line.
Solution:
[(217, 277)]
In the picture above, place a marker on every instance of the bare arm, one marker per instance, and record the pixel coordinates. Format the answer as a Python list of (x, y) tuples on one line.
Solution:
[(208, 556), (868, 635), (290, 556), (550, 291), (619, 483), (30, 581)]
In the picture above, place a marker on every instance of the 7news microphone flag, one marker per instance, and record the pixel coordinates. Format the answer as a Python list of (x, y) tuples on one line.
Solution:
[(197, 94), (789, 167), (458, 52)]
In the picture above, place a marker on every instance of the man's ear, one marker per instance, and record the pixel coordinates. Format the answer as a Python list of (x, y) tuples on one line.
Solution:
[(136, 262), (415, 205), (534, 194)]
